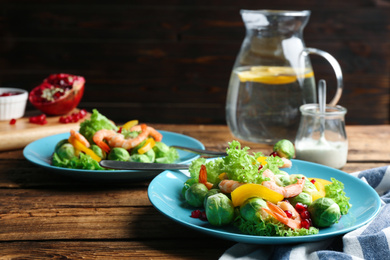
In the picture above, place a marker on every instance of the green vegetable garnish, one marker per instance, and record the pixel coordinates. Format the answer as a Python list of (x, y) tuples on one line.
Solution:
[(97, 122), (84, 162), (284, 148), (219, 210), (239, 165), (336, 192), (324, 212)]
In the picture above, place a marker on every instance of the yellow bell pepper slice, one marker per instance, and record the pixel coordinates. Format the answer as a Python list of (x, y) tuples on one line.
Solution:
[(262, 160), (130, 124), (222, 176), (249, 190), (147, 146), (79, 146), (320, 186)]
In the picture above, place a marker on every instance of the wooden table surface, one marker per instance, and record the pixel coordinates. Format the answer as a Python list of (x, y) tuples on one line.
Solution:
[(45, 215)]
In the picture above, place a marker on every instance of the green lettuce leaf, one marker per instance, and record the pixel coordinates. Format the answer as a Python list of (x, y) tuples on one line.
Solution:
[(84, 162), (271, 227), (239, 165), (336, 192)]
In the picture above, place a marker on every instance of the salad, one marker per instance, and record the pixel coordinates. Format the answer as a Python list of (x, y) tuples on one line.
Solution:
[(253, 193), (99, 138)]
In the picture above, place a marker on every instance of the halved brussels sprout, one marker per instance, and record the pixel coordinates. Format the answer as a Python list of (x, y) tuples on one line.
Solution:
[(324, 212), (284, 148), (187, 185), (195, 194), (251, 209), (219, 210), (210, 193), (118, 154), (59, 144), (99, 151), (66, 151), (303, 197), (282, 178)]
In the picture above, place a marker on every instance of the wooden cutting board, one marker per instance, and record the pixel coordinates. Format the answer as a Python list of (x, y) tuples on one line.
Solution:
[(23, 132)]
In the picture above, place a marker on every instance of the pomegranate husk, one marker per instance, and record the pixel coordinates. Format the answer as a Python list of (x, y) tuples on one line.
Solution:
[(64, 104)]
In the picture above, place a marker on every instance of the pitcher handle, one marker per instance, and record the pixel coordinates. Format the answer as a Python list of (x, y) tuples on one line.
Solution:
[(337, 69)]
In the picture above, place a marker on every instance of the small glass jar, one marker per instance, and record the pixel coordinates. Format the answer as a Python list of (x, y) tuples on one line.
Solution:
[(322, 138)]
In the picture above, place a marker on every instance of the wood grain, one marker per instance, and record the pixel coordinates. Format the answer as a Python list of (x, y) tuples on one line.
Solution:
[(46, 215)]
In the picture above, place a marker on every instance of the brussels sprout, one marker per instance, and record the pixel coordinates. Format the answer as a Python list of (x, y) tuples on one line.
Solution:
[(282, 178), (251, 209), (160, 149), (195, 194), (284, 148), (303, 197), (210, 193), (66, 151), (308, 188), (324, 212), (135, 149), (151, 154), (99, 152), (139, 158), (187, 185), (59, 144), (219, 210), (118, 154)]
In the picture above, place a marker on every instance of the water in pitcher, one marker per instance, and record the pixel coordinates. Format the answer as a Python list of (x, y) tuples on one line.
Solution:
[(263, 101)]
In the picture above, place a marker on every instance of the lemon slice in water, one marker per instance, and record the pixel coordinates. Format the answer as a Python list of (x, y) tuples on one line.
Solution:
[(274, 75)]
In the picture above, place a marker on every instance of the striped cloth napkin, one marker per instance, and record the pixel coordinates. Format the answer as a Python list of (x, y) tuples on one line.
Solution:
[(371, 241)]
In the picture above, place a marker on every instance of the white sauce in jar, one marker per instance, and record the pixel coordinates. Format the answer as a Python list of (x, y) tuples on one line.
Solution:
[(332, 154)]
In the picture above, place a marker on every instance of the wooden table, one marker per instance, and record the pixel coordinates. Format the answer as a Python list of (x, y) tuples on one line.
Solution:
[(45, 215)]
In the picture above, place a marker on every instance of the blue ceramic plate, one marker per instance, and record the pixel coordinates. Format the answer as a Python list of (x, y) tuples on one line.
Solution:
[(164, 193), (40, 152)]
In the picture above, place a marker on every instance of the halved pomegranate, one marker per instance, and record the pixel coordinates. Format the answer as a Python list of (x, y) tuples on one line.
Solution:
[(58, 94)]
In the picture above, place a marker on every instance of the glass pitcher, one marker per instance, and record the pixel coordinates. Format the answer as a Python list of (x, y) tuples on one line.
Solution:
[(272, 77)]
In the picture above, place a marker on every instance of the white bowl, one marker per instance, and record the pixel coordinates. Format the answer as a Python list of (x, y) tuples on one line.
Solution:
[(12, 106)]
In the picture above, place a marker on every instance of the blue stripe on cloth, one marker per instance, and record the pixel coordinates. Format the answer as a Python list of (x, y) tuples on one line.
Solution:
[(332, 255), (381, 222), (373, 240), (373, 176), (374, 246)]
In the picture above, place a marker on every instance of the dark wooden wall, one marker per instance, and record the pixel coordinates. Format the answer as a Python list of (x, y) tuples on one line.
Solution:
[(170, 61)]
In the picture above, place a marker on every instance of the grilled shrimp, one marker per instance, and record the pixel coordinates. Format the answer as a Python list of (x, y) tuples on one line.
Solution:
[(228, 186)]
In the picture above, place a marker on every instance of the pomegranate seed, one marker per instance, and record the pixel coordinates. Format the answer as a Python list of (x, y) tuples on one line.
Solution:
[(313, 181), (203, 216), (274, 154), (305, 214), (199, 214), (288, 213), (74, 117), (13, 121), (196, 213), (41, 119), (120, 130), (305, 223), (300, 207), (260, 167), (83, 113)]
